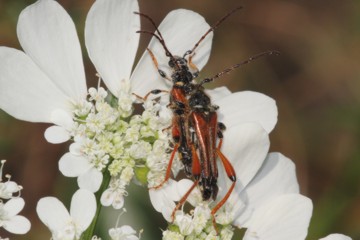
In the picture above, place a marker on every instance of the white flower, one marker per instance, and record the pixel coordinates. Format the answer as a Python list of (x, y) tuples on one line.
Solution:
[(50, 85), (202, 214), (8, 188), (115, 193), (97, 94), (127, 174), (9, 219), (79, 166), (170, 235), (163, 199), (184, 221), (140, 149), (123, 233), (336, 236), (227, 233), (65, 226)]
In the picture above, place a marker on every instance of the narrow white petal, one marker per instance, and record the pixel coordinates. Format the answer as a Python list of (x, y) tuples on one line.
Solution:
[(111, 39), (73, 166), (218, 93), (48, 35), (52, 213), (247, 106), (25, 91), (14, 206), (56, 134), (90, 180), (336, 236), (83, 208), (181, 30), (276, 177), (285, 217), (17, 225), (245, 146)]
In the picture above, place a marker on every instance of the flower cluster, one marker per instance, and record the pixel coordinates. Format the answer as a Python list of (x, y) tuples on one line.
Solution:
[(112, 144), (121, 233), (198, 225), (109, 139), (9, 219)]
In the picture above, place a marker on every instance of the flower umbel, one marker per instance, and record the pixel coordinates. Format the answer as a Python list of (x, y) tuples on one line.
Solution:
[(113, 143)]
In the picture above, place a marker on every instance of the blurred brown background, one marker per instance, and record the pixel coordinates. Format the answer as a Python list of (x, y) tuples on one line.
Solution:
[(315, 82)]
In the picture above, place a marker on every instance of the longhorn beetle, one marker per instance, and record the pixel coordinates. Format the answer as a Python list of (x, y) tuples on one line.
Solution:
[(192, 110)]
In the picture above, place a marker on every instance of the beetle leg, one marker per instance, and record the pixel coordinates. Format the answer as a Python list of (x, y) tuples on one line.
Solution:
[(153, 92), (183, 199), (232, 176)]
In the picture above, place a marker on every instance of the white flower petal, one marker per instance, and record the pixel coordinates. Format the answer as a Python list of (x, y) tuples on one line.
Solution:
[(245, 146), (26, 92), (123, 233), (76, 148), (276, 177), (126, 229), (107, 197), (17, 225), (336, 236), (118, 202), (90, 180), (62, 118), (8, 188), (48, 35), (56, 134), (73, 166), (249, 107), (181, 30), (167, 209), (52, 213), (156, 198), (285, 217), (14, 206), (111, 39), (218, 93), (83, 208), (183, 186), (162, 196)]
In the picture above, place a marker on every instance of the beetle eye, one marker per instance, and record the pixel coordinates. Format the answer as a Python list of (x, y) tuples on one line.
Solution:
[(171, 64)]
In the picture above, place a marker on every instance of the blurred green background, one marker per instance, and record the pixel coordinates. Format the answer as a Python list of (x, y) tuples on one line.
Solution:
[(315, 82)]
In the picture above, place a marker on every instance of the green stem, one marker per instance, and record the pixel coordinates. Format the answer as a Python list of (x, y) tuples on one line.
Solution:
[(87, 235)]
